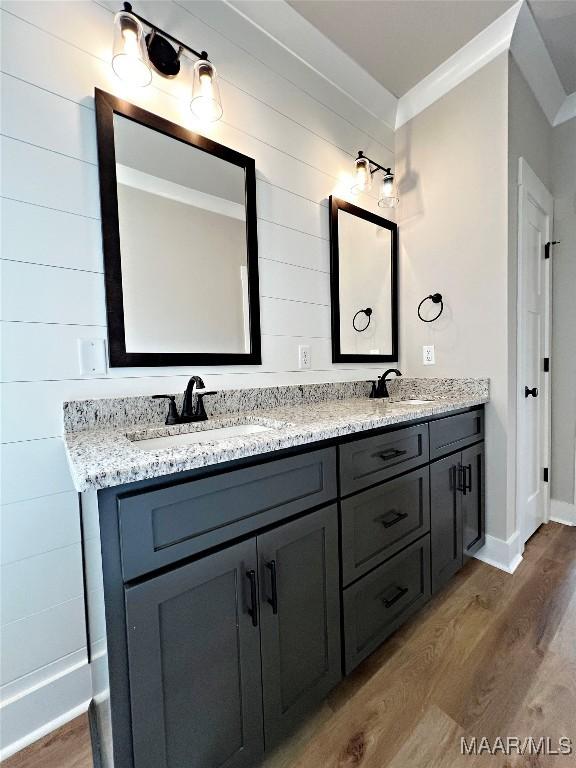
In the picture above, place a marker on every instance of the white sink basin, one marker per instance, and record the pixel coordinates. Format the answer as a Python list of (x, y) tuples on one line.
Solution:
[(200, 437)]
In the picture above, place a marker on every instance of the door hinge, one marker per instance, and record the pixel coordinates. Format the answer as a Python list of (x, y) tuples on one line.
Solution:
[(546, 365), (547, 248), (545, 474)]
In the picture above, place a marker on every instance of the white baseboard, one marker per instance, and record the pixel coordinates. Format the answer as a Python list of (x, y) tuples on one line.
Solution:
[(43, 708), (562, 512), (505, 555)]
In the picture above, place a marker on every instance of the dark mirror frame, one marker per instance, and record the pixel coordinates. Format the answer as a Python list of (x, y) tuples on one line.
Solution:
[(107, 106), (335, 205)]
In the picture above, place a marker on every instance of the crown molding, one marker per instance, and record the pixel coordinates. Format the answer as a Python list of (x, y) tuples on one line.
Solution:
[(280, 22), (530, 53), (567, 111), (482, 49), (305, 56)]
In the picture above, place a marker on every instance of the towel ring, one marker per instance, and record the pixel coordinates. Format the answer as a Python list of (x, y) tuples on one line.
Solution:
[(368, 313), (435, 298)]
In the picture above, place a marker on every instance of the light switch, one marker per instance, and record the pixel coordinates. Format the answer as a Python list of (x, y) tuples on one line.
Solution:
[(92, 355)]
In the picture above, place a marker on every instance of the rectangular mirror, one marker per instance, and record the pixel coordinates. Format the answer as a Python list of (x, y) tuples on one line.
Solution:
[(180, 244), (364, 285)]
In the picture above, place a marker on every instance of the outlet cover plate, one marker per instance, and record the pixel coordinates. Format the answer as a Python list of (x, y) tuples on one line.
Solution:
[(428, 357), (304, 361)]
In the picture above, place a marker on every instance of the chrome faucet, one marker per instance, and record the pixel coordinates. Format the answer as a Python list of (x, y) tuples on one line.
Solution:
[(190, 411), (380, 388)]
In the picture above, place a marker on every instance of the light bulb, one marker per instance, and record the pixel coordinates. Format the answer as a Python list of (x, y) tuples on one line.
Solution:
[(362, 176), (130, 57), (206, 103), (388, 197)]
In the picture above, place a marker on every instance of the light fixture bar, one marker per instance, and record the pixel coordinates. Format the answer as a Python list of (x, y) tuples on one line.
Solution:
[(154, 28), (377, 166)]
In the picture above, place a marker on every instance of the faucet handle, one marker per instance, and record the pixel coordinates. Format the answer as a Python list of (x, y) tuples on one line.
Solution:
[(372, 394), (200, 413), (172, 416)]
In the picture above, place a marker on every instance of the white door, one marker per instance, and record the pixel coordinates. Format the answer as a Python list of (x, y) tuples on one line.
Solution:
[(533, 394)]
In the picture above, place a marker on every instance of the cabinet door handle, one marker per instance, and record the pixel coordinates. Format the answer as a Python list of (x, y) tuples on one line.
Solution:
[(391, 453), (274, 599), (400, 592), (253, 611), (461, 482), (468, 483), (388, 521)]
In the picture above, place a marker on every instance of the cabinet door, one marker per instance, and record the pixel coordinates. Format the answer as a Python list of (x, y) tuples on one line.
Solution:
[(445, 519), (300, 618), (473, 507), (194, 659)]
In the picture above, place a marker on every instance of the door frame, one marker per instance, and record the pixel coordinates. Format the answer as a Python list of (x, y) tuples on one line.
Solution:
[(530, 188)]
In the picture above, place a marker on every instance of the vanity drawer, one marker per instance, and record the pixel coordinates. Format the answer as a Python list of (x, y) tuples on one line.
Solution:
[(159, 527), (381, 602), (373, 459), (378, 522), (455, 432)]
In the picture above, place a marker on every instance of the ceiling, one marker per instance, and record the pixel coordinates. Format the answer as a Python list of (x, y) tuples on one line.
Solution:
[(401, 41), (556, 20)]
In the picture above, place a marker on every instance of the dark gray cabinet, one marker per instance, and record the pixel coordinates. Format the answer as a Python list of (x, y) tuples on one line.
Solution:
[(227, 653), (380, 521), (381, 602), (194, 664), (159, 527), (234, 597), (457, 513), (445, 520), (370, 460), (300, 618), (472, 499)]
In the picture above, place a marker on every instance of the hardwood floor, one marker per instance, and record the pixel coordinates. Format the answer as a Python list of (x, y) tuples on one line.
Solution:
[(493, 655)]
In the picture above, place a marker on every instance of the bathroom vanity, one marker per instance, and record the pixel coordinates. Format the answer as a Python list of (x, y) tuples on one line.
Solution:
[(238, 593)]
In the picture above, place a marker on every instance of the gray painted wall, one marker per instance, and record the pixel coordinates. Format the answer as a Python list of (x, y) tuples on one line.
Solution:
[(564, 312), (452, 168)]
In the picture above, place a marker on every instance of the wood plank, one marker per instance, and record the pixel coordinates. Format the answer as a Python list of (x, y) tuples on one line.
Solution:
[(68, 747)]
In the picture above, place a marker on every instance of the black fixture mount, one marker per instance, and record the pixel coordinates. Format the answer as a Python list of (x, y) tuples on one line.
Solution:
[(162, 55), (380, 388), (435, 298), (190, 412), (374, 166), (368, 313)]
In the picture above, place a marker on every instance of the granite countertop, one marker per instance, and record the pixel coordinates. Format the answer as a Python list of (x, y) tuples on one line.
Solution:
[(101, 458)]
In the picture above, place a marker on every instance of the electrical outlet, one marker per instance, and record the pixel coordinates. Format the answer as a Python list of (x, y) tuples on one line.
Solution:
[(304, 356), (428, 357), (92, 357)]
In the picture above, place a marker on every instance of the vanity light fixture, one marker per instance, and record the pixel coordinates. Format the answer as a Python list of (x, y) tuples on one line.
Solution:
[(364, 170), (136, 53)]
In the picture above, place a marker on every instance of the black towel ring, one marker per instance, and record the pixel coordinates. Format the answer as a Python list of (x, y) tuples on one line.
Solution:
[(368, 313), (435, 298)]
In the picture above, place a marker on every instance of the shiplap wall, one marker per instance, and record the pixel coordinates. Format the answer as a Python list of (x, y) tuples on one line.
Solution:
[(303, 133)]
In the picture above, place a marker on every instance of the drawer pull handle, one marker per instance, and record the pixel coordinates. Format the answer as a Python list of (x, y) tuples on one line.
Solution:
[(400, 592), (388, 521), (274, 599), (253, 611), (392, 453)]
